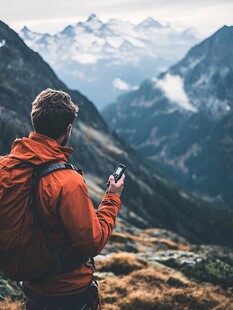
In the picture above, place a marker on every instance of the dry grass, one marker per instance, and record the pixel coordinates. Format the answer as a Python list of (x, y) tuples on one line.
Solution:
[(140, 286), (149, 241), (8, 304), (121, 263), (158, 288)]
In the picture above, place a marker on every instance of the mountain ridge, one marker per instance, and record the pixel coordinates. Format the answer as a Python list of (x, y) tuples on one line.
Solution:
[(180, 119)]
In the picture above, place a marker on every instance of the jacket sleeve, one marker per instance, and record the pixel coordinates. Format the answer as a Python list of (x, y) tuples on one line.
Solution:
[(88, 229)]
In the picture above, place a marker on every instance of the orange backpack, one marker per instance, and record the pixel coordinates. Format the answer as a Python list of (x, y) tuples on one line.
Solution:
[(24, 254)]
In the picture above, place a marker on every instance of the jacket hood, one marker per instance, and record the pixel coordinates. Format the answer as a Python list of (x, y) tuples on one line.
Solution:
[(38, 149)]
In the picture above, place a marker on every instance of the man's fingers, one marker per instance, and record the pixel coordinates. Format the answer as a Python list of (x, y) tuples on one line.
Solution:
[(122, 179), (111, 179), (116, 188)]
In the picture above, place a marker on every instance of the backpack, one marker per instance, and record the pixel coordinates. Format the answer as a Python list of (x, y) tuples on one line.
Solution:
[(24, 253)]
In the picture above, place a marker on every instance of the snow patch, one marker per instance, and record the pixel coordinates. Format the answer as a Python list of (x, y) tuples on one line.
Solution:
[(194, 62), (173, 88), (2, 43), (142, 103), (115, 42)]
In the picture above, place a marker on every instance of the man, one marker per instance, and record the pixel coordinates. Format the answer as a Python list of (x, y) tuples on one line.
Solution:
[(69, 220)]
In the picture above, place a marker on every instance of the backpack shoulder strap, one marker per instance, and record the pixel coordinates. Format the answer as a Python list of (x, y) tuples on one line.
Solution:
[(42, 171)]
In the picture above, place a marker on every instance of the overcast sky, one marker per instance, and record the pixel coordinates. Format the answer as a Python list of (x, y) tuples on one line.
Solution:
[(53, 15)]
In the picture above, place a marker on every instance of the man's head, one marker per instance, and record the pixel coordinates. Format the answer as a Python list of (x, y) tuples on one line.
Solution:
[(53, 113)]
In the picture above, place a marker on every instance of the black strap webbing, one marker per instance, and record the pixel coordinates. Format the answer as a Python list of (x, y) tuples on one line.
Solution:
[(42, 171)]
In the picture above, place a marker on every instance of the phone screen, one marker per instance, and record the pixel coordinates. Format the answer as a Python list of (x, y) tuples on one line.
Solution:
[(118, 170)]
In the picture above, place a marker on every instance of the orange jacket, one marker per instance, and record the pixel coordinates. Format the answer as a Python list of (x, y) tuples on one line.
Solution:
[(68, 216)]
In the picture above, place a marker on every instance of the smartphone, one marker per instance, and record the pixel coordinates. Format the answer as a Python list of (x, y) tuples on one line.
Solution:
[(117, 174)]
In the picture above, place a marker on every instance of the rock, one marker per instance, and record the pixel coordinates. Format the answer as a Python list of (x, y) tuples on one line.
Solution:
[(10, 289), (103, 275), (202, 266)]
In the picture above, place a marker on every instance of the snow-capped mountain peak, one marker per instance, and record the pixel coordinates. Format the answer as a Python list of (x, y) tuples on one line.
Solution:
[(93, 22), (93, 17), (25, 29), (91, 54), (68, 30), (150, 22), (30, 36)]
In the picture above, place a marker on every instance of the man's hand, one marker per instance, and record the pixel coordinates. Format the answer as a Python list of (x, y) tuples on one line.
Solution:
[(116, 188)]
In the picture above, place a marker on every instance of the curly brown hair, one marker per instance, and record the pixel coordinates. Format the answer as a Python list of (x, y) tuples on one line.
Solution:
[(52, 111)]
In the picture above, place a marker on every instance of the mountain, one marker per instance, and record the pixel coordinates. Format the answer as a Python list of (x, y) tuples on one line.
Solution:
[(182, 120), (104, 60), (149, 198)]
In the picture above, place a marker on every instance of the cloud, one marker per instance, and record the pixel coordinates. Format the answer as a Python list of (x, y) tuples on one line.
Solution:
[(173, 88), (120, 84)]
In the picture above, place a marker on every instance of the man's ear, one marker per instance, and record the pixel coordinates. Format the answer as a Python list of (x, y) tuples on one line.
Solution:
[(68, 130)]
